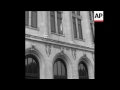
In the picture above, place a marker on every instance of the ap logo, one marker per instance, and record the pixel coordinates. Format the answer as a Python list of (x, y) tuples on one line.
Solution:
[(98, 16)]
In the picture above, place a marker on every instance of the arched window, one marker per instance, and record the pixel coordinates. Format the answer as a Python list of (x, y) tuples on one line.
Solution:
[(60, 70), (31, 67), (83, 72)]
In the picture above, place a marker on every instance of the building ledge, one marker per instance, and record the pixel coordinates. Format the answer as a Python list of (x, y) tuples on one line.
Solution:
[(32, 28), (60, 43)]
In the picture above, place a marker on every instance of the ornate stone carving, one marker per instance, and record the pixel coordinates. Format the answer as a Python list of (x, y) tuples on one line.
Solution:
[(32, 47), (74, 53), (56, 46), (48, 49), (67, 48), (84, 55), (60, 43), (62, 50)]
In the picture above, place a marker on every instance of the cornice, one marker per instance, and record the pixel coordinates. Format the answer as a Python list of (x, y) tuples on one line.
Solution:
[(55, 42)]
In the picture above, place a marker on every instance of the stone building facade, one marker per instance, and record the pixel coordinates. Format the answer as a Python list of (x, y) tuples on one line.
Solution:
[(59, 45)]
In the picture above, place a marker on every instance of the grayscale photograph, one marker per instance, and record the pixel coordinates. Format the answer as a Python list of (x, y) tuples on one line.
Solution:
[(59, 45)]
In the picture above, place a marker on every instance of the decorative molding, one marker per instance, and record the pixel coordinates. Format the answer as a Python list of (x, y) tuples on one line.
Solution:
[(71, 42), (45, 36), (29, 27), (67, 48), (74, 53), (62, 50), (84, 55), (57, 46), (60, 43), (32, 47), (48, 49)]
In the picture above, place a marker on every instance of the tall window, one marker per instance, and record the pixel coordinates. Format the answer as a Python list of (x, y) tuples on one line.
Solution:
[(31, 18), (59, 22), (74, 27), (77, 27), (91, 16), (31, 67), (83, 72), (60, 71), (34, 19), (26, 18), (56, 22), (52, 17), (80, 29)]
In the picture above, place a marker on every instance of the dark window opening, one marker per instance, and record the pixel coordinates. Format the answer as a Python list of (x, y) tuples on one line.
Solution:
[(52, 17), (26, 18), (83, 71), (74, 27), (77, 25), (59, 22), (60, 71), (80, 29), (34, 19), (31, 67)]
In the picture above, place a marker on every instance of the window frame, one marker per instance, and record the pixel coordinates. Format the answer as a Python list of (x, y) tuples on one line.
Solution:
[(36, 21), (56, 24), (76, 16), (32, 75), (26, 18), (30, 21), (62, 64), (92, 28), (83, 74), (51, 23)]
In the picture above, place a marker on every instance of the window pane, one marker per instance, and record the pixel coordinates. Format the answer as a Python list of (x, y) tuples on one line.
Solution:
[(80, 71), (59, 21), (52, 17), (86, 73), (63, 70), (83, 71), (26, 18), (55, 69), (59, 68), (35, 67), (74, 27), (80, 29), (93, 14), (29, 65), (80, 66), (34, 19)]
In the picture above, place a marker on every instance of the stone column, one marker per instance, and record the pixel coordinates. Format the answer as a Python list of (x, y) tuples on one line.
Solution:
[(48, 69)]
